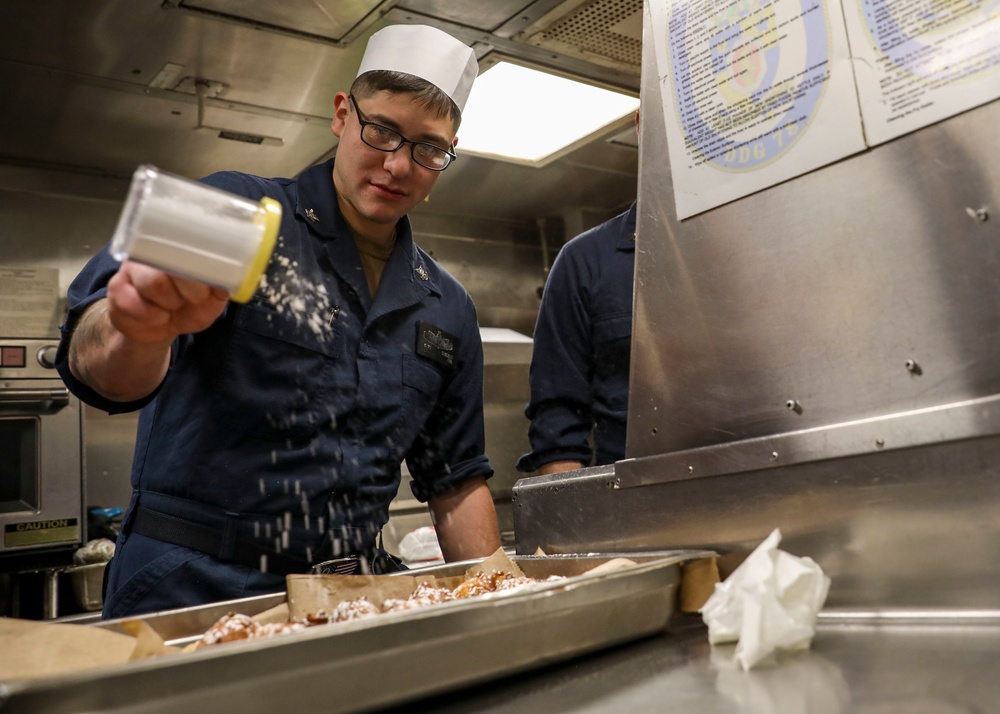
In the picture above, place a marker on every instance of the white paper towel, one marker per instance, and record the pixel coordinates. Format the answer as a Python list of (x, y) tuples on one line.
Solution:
[(769, 603)]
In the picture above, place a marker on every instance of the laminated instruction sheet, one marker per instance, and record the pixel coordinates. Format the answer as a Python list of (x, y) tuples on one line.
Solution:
[(29, 302), (756, 92), (921, 61)]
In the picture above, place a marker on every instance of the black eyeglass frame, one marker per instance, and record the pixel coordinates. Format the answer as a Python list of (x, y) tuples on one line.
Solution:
[(402, 140)]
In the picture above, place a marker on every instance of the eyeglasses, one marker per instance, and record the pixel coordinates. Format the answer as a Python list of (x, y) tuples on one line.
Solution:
[(385, 139)]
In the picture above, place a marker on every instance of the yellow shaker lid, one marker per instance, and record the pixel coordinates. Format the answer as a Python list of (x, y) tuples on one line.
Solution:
[(270, 216)]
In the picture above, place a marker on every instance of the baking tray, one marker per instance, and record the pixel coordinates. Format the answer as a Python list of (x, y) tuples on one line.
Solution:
[(366, 664)]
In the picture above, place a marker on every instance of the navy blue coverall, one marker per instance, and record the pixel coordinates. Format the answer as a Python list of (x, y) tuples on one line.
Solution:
[(281, 428), (582, 347)]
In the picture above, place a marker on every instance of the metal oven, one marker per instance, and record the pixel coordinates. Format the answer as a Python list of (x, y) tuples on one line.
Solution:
[(41, 452)]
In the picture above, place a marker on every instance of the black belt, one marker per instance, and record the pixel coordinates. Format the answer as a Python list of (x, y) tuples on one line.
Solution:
[(221, 543)]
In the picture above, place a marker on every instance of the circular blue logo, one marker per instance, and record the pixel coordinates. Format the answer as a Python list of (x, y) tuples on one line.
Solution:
[(748, 78)]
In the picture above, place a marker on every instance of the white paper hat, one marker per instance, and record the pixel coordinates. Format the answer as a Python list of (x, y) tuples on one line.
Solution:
[(424, 52)]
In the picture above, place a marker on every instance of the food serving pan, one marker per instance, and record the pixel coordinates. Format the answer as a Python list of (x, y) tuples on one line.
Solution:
[(388, 659), (87, 581)]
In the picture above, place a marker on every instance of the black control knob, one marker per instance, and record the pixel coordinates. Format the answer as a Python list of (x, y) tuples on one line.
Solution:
[(47, 356)]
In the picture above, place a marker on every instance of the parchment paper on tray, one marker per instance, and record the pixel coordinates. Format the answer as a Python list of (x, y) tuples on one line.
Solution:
[(310, 594), (38, 649)]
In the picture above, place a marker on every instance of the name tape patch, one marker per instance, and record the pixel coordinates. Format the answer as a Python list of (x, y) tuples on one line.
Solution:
[(436, 344)]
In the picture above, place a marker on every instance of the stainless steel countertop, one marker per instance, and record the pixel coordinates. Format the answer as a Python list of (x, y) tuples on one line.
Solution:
[(921, 663)]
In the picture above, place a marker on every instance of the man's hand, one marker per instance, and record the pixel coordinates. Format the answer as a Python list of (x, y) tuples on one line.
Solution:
[(121, 345), (149, 306)]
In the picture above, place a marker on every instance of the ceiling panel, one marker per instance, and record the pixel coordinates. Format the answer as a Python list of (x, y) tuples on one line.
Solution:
[(481, 15), (86, 126), (329, 20)]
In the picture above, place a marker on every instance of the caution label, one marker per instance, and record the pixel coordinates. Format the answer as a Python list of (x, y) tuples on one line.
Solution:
[(56, 530)]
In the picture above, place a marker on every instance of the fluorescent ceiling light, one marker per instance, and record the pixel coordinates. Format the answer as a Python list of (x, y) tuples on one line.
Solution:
[(524, 115)]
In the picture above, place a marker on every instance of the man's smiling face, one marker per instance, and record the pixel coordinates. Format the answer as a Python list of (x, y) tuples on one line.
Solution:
[(376, 188)]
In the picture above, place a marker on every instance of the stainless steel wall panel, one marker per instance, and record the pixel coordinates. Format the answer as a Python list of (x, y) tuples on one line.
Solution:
[(572, 512), (912, 528), (818, 357), (818, 290), (949, 422), (909, 528)]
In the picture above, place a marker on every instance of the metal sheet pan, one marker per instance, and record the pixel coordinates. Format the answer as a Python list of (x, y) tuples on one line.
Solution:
[(361, 665)]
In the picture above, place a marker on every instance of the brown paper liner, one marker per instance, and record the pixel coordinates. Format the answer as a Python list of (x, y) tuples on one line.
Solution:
[(312, 594), (39, 649), (698, 580)]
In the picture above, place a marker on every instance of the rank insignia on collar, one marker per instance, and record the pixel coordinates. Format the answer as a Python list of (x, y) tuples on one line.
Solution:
[(422, 273), (311, 215)]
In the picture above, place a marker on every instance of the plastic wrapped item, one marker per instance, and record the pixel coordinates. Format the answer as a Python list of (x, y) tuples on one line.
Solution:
[(768, 604), (99, 550), (421, 546)]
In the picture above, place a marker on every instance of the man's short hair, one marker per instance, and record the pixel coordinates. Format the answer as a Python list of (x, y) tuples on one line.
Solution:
[(423, 92)]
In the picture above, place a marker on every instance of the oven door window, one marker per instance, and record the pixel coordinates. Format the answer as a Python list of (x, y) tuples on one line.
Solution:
[(19, 464)]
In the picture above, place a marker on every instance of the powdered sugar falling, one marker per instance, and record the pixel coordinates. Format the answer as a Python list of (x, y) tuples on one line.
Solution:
[(305, 302)]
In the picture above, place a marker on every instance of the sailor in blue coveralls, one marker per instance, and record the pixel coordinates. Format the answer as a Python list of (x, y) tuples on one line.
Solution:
[(271, 434), (581, 349)]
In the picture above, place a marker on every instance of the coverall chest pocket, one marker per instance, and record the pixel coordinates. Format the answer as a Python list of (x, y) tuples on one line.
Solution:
[(278, 374), (609, 329), (612, 354), (421, 386)]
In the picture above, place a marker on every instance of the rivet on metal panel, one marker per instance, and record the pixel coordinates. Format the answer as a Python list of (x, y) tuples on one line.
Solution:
[(614, 483), (912, 367), (690, 469), (879, 443), (980, 214), (793, 405), (774, 456)]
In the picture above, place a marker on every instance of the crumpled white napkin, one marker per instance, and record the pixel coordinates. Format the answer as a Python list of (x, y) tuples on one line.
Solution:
[(769, 603)]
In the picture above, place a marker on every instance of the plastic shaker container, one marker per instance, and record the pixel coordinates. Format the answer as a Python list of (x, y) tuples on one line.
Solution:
[(196, 231)]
